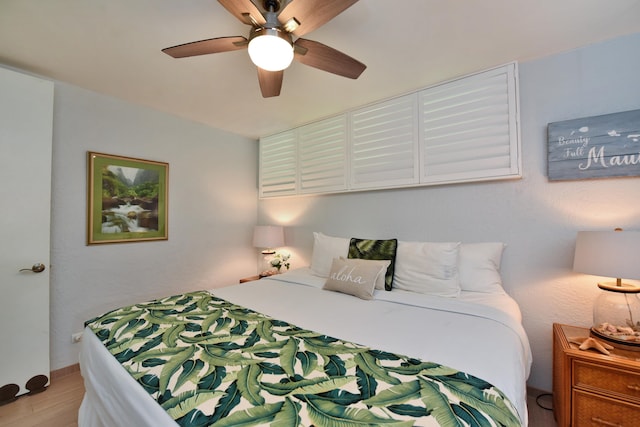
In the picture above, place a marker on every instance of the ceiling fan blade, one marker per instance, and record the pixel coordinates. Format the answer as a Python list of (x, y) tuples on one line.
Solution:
[(311, 14), (243, 9), (270, 82), (204, 47), (323, 57)]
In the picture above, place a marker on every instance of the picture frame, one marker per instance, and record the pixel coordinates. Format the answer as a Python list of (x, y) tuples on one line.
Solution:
[(127, 199)]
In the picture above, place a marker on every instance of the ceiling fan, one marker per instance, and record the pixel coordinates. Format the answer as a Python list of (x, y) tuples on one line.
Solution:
[(270, 43)]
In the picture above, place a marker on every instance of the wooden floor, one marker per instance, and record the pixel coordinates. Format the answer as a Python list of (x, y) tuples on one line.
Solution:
[(55, 407), (58, 406), (540, 413)]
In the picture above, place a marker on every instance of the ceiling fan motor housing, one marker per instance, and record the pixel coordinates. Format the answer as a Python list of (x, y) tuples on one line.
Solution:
[(265, 31), (271, 5)]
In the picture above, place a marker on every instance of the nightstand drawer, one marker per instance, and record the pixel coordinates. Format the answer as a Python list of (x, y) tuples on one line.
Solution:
[(591, 410), (606, 380)]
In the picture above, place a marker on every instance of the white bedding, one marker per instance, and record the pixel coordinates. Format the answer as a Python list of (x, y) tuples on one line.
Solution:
[(480, 334)]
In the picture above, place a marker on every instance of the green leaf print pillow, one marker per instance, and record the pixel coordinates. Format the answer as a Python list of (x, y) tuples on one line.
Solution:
[(376, 250)]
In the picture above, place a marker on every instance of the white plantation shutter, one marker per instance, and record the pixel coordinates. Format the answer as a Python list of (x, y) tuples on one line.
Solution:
[(384, 146), (469, 128), (459, 131), (322, 151), (278, 164)]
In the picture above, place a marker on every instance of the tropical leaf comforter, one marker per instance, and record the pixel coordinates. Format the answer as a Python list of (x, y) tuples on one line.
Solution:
[(208, 361)]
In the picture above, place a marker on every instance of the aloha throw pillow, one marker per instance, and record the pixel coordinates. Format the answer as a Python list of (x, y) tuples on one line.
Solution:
[(355, 277), (380, 250), (365, 262)]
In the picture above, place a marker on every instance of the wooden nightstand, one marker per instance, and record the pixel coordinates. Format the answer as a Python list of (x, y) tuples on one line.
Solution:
[(593, 389), (250, 278)]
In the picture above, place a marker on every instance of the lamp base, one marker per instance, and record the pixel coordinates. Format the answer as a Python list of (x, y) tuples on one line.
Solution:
[(621, 287), (616, 312), (620, 343), (266, 269)]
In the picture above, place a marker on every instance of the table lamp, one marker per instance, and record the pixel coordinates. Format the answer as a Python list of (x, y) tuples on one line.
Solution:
[(616, 311), (267, 237)]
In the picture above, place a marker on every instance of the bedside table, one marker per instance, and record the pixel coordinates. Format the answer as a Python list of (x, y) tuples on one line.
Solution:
[(593, 389), (250, 278)]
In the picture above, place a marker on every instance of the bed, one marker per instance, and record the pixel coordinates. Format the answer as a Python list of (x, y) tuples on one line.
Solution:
[(319, 357)]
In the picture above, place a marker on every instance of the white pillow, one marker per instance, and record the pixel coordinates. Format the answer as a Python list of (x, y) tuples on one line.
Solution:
[(325, 249), (427, 268), (357, 277), (480, 267)]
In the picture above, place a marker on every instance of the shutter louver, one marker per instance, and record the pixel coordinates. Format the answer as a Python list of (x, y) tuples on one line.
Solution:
[(469, 128), (323, 155), (384, 144), (278, 164)]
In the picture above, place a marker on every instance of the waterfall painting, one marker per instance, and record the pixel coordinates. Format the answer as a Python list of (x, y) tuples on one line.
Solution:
[(127, 200)]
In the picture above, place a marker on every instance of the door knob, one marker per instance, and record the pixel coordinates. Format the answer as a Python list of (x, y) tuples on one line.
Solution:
[(36, 268)]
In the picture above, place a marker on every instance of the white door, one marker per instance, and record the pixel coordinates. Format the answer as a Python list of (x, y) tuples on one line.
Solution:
[(26, 116)]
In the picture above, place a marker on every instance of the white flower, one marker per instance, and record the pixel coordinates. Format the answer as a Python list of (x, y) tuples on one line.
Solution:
[(281, 259)]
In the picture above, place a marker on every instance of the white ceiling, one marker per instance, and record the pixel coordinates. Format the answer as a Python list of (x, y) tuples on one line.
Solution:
[(114, 47)]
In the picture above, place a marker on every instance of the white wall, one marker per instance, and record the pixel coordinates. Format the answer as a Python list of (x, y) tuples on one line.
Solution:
[(537, 219), (212, 211)]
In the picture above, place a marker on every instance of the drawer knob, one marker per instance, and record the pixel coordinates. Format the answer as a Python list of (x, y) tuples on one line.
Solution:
[(605, 423), (634, 387)]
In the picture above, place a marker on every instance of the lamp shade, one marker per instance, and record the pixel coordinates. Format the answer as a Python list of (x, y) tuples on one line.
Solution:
[(608, 253), (270, 49), (268, 236)]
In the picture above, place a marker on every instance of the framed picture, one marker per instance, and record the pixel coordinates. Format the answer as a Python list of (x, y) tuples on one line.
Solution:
[(127, 200)]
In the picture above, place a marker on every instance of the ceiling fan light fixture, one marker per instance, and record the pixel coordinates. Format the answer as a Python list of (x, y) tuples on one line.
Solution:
[(270, 49)]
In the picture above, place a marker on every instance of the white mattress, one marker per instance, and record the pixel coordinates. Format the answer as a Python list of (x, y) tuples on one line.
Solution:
[(480, 334)]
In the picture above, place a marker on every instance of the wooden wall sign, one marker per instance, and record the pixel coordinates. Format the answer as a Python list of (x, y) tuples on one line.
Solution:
[(595, 147)]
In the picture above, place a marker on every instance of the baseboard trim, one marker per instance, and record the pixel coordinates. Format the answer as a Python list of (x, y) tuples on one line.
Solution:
[(62, 372)]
